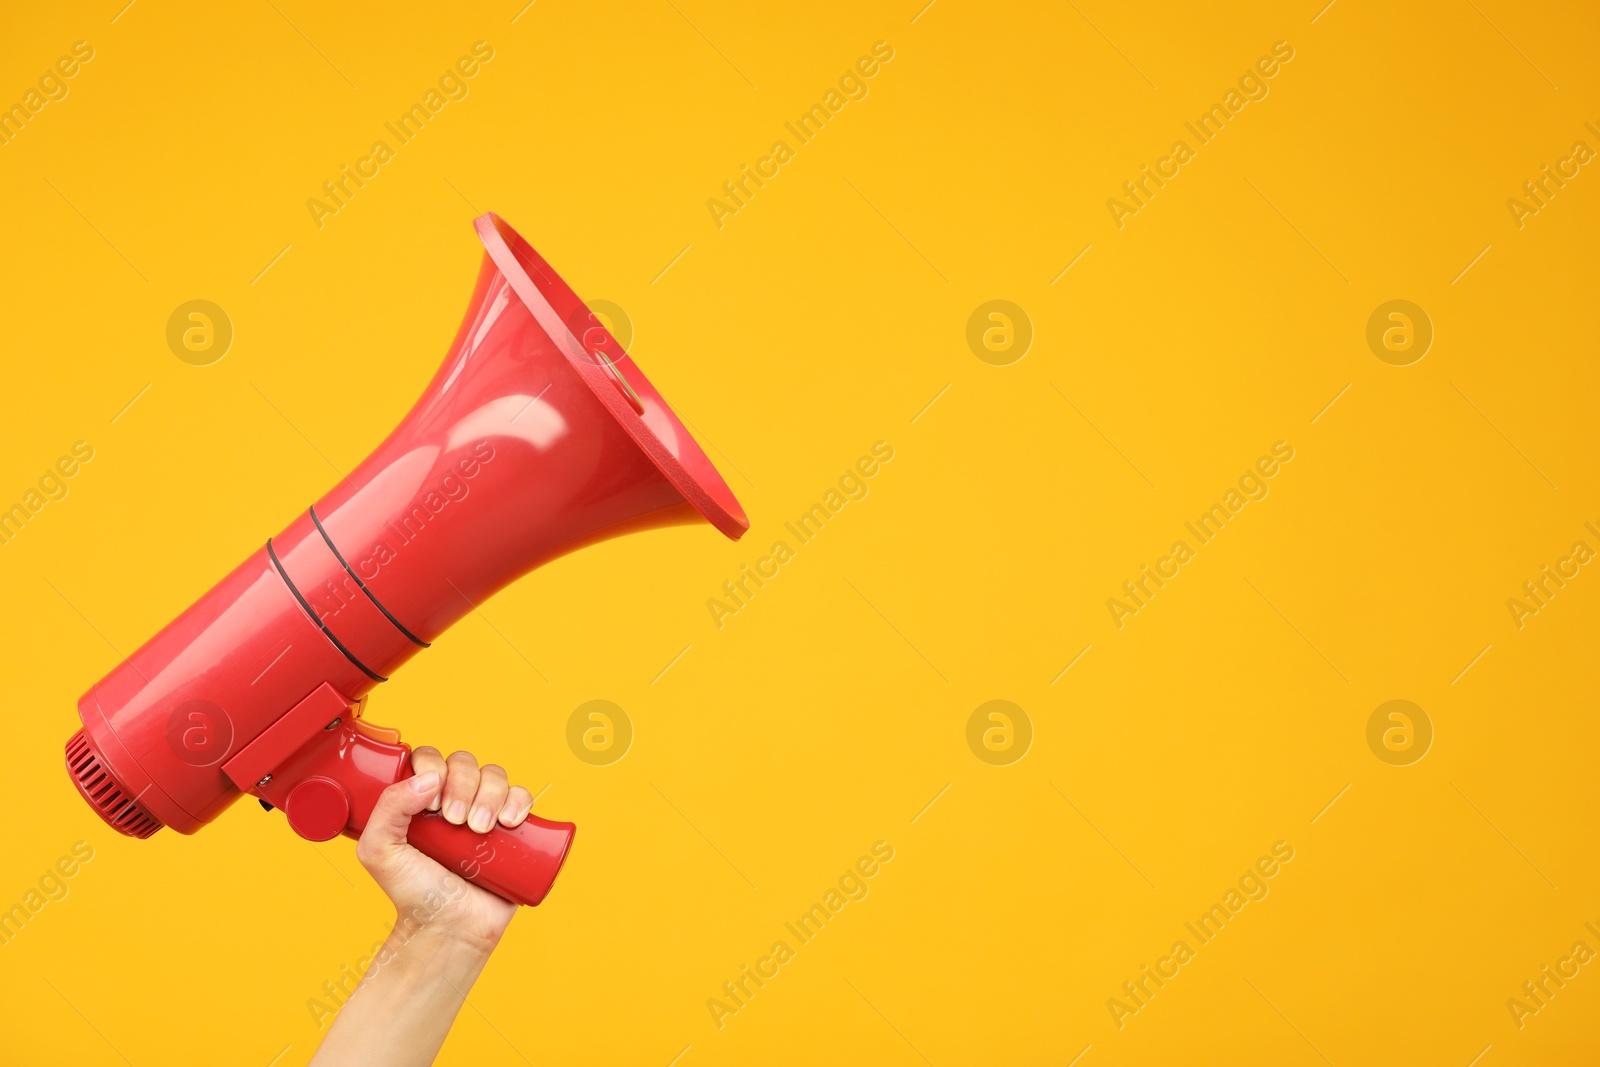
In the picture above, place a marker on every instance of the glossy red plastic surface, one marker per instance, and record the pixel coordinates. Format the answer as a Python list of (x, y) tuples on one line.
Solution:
[(318, 809), (538, 435), (329, 786)]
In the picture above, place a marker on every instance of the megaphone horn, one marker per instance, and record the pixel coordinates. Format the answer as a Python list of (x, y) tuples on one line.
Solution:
[(537, 436)]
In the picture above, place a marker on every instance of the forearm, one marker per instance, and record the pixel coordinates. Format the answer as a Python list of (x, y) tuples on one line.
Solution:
[(401, 1012)]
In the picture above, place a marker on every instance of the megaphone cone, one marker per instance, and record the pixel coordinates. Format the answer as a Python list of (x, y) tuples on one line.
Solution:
[(538, 435)]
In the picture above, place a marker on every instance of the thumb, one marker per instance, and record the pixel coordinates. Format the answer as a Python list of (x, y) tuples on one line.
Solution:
[(384, 839)]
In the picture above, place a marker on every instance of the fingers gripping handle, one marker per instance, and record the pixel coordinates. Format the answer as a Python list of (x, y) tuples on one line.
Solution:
[(329, 786), (518, 863)]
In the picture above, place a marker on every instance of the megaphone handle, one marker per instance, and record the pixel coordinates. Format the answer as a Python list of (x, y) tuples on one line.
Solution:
[(329, 786), (518, 863)]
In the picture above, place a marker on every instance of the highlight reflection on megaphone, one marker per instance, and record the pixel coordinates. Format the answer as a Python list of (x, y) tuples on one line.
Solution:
[(537, 436)]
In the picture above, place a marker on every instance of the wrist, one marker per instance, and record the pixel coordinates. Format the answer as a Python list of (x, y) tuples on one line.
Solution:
[(445, 941), (408, 997), (450, 941)]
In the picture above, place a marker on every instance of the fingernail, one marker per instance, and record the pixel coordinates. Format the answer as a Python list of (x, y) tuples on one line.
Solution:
[(512, 816), (456, 812), (481, 820), (433, 805), (425, 783)]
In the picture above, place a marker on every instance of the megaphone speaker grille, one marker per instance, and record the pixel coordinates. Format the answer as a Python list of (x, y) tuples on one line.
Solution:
[(104, 793)]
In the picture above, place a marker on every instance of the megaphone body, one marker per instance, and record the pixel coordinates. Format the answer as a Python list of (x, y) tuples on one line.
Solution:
[(537, 436)]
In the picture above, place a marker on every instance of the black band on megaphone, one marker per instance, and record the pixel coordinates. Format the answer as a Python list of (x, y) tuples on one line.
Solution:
[(273, 555), (363, 585)]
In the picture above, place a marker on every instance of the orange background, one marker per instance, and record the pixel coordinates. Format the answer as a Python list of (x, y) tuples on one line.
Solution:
[(1229, 313)]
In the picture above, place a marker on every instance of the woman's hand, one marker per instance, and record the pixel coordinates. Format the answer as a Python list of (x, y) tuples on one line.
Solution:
[(445, 927), (464, 793)]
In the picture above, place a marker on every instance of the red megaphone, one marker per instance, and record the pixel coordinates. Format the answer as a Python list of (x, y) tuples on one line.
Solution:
[(537, 436)]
